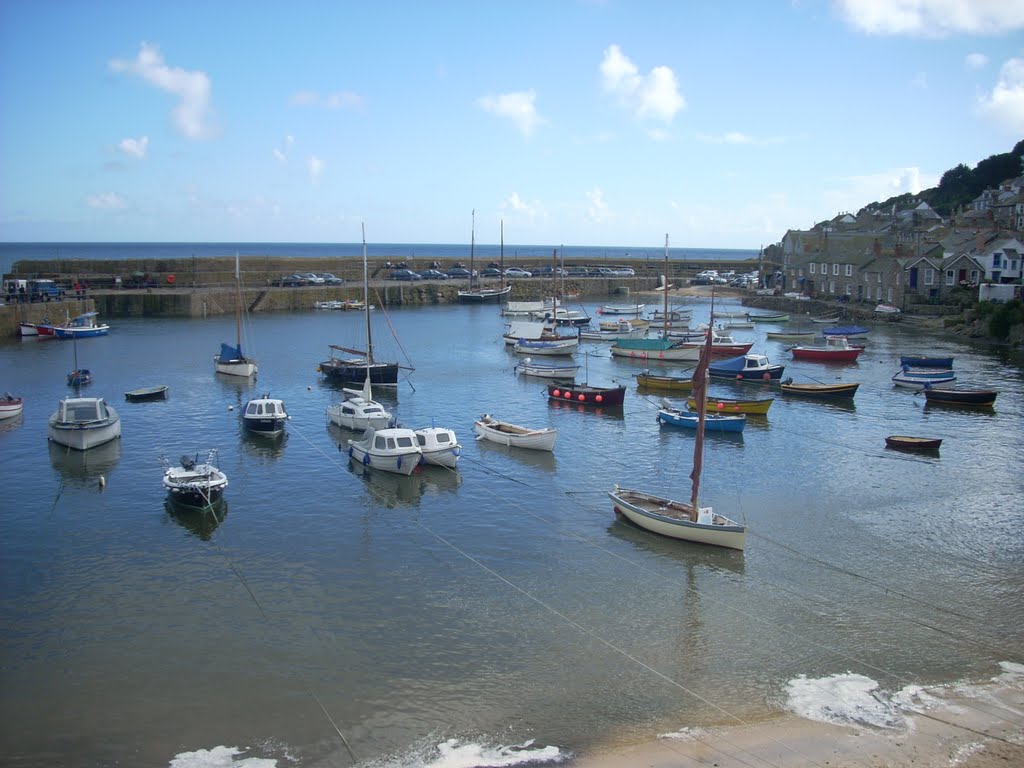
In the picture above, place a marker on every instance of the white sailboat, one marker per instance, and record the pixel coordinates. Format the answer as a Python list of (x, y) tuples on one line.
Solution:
[(680, 519), (231, 360)]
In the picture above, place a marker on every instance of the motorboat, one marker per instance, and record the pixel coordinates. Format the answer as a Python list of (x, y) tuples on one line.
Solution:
[(10, 406), (439, 445), (836, 349), (83, 423), (746, 367), (80, 327), (393, 449), (265, 415), (195, 484)]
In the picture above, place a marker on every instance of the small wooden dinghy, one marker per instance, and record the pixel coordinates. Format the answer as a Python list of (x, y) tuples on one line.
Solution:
[(504, 433), (158, 392), (907, 443)]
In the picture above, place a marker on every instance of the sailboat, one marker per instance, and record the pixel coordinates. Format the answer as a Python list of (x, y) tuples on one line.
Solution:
[(657, 349), (680, 519), (357, 370), (231, 360), (476, 293)]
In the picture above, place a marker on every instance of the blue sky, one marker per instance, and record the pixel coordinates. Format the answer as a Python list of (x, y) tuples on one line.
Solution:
[(581, 122)]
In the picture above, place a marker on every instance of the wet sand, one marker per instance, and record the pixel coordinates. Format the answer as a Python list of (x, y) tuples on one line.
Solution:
[(975, 726)]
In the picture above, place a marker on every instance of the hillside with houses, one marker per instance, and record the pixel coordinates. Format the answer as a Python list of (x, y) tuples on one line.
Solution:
[(914, 258)]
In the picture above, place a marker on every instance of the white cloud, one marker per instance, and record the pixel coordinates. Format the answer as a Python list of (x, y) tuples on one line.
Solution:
[(191, 88), (335, 100), (736, 137), (932, 18), (315, 166), (597, 208), (850, 193), (134, 147), (519, 107), (1005, 104), (106, 201), (655, 95), (976, 60)]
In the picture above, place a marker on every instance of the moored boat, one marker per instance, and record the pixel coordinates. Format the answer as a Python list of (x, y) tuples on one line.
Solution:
[(563, 372), (195, 484), (730, 405), (926, 361), (908, 443), (265, 415), (919, 378), (11, 406), (713, 422), (747, 367), (83, 423), (81, 327), (779, 318), (974, 398), (656, 350), (836, 349), (359, 411), (789, 335), (649, 380), (824, 391), (395, 449), (846, 330), (439, 446), (546, 346), (158, 392), (514, 435), (584, 394)]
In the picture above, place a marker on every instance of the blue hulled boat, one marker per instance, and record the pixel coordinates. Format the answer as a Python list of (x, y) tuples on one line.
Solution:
[(746, 367)]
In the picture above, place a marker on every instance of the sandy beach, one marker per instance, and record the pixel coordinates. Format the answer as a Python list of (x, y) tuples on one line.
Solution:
[(971, 726)]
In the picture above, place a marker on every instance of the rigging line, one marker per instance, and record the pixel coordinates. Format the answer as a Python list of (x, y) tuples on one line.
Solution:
[(621, 651), (387, 317), (744, 614)]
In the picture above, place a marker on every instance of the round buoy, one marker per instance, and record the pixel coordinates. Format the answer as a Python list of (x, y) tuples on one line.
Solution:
[(231, 407), (568, 395), (599, 398), (766, 376), (556, 392), (170, 279), (103, 482), (582, 397), (739, 377), (721, 406)]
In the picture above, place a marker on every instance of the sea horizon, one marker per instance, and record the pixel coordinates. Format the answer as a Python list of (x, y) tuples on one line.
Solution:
[(11, 252)]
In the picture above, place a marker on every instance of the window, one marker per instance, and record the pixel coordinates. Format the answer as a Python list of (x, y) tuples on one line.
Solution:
[(950, 276), (889, 296), (995, 259), (824, 268), (879, 280), (812, 267), (849, 271), (849, 289), (974, 275), (835, 269), (929, 276)]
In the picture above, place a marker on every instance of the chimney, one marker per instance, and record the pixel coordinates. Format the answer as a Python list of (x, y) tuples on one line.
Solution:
[(877, 248)]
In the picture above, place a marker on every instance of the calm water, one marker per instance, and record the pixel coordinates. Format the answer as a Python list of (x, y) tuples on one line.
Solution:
[(492, 606)]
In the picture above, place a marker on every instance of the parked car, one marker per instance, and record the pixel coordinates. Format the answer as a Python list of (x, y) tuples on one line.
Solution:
[(623, 271), (577, 272), (517, 272), (491, 272), (433, 274), (600, 272), (547, 271), (330, 279), (710, 274), (460, 273), (294, 281), (312, 279), (405, 274)]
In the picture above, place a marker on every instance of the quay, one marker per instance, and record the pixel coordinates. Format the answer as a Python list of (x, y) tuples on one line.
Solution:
[(204, 287)]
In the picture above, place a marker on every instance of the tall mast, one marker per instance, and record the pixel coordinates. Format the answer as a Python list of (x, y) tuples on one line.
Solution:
[(238, 307), (472, 244), (700, 395), (501, 259), (366, 303), (664, 319)]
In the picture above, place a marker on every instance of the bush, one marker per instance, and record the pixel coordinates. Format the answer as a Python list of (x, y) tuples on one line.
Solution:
[(1004, 317)]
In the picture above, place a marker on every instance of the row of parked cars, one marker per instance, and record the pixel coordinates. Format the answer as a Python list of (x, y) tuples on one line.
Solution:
[(512, 272), (711, 277), (309, 278)]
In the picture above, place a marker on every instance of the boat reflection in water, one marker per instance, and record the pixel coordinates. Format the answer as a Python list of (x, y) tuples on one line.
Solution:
[(690, 554), (616, 412), (85, 467), (264, 447), (537, 459), (394, 490), (198, 522)]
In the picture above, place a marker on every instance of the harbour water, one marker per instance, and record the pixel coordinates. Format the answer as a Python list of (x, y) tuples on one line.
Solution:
[(501, 613)]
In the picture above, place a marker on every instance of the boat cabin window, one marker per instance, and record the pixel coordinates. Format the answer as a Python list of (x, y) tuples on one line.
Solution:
[(372, 410), (348, 410), (405, 442), (421, 439), (84, 411), (380, 442), (253, 409), (443, 437)]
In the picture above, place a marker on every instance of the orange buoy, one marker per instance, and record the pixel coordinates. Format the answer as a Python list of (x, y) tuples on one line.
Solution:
[(170, 279)]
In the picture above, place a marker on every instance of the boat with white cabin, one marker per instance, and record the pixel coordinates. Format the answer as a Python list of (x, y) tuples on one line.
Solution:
[(83, 423), (394, 449)]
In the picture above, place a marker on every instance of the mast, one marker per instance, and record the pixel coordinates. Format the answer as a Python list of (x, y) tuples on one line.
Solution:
[(238, 308), (501, 258), (366, 304), (664, 319), (700, 395), (472, 246)]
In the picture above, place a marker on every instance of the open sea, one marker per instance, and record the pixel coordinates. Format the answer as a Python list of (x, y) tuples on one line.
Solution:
[(500, 614)]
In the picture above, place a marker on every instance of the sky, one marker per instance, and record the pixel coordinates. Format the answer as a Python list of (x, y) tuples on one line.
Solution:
[(575, 122)]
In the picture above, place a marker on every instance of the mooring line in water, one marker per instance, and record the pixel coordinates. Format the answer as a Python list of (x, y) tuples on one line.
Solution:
[(241, 578), (621, 651)]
